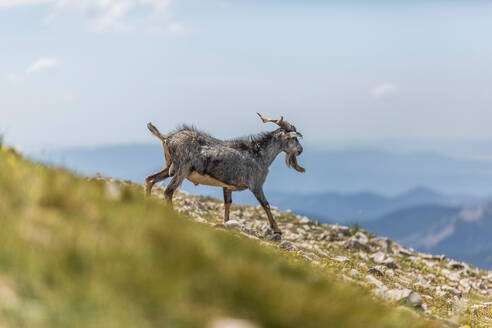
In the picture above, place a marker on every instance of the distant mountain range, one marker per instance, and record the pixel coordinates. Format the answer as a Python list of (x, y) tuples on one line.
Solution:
[(463, 233), (362, 206)]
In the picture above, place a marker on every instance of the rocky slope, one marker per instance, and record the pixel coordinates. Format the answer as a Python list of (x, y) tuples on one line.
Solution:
[(434, 285)]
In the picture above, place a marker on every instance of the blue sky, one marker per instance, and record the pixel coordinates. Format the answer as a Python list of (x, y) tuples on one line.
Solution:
[(93, 72)]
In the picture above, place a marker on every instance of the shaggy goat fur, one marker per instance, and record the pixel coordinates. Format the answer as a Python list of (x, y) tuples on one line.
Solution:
[(234, 165)]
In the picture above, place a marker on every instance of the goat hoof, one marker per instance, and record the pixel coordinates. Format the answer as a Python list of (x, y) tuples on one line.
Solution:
[(277, 236)]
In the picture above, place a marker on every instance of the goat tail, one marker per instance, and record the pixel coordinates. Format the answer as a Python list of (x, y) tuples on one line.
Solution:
[(155, 132)]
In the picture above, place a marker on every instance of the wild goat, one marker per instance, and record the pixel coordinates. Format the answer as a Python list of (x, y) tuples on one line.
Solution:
[(233, 165)]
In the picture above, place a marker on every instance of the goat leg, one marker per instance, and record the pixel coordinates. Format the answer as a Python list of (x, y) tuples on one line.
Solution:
[(173, 185), (154, 178), (227, 203), (260, 196)]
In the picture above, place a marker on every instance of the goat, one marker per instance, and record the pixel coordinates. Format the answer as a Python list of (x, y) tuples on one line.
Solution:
[(234, 165)]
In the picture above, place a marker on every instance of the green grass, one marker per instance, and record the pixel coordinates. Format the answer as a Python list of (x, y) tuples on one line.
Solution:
[(74, 253)]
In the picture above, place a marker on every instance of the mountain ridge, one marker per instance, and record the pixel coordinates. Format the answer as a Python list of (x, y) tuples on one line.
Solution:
[(462, 232)]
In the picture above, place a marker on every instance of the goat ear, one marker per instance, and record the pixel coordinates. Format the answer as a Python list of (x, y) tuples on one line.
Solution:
[(285, 135)]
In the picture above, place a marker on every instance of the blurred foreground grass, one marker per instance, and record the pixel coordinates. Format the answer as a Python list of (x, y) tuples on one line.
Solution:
[(74, 253)]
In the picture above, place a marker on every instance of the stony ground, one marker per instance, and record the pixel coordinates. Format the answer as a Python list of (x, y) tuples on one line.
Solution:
[(430, 285)]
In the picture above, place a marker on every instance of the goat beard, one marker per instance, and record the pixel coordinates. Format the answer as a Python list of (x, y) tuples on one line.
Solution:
[(291, 161)]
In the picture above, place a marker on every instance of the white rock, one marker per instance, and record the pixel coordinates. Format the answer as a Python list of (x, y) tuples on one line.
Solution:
[(450, 290), (466, 285), (424, 285), (383, 258), (405, 294), (233, 224), (362, 265), (370, 279), (383, 243), (479, 284), (453, 276), (361, 238), (357, 241), (456, 265), (200, 219), (376, 272), (425, 256), (347, 278), (341, 229), (341, 259), (113, 191), (231, 323), (304, 219), (404, 252), (287, 245)]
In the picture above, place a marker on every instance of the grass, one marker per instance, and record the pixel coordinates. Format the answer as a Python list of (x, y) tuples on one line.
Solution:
[(355, 227), (79, 253)]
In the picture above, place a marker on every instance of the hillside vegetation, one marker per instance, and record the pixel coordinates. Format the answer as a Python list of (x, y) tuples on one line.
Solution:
[(78, 252)]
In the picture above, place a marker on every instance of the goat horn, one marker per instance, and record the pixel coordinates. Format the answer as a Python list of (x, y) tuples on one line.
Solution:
[(265, 120), (283, 124)]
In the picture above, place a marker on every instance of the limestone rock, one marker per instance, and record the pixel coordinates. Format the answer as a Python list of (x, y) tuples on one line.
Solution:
[(342, 230), (373, 281), (453, 291), (383, 243), (404, 252), (231, 323), (376, 272), (456, 265), (328, 236), (304, 219), (453, 276), (382, 258), (287, 245), (274, 237), (406, 295), (431, 257), (465, 285), (341, 259), (233, 224), (357, 241)]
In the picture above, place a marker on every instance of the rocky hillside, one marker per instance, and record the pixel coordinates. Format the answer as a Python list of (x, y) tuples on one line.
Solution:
[(94, 252), (438, 287)]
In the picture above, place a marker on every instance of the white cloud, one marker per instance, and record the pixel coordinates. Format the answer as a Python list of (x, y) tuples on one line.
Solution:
[(101, 14), (16, 3), (383, 90), (39, 65)]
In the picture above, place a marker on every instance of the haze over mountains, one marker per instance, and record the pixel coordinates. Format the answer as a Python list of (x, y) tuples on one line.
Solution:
[(363, 206), (398, 197), (462, 233)]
